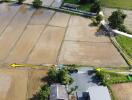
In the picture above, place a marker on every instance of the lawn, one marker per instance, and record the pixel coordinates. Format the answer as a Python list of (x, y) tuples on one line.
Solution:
[(126, 4), (126, 44), (85, 7)]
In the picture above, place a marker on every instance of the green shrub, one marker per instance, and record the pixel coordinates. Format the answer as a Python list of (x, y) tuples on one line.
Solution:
[(37, 3), (20, 1), (5, 0), (44, 92), (96, 7)]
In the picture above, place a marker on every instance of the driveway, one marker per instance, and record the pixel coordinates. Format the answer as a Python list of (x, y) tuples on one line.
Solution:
[(84, 79)]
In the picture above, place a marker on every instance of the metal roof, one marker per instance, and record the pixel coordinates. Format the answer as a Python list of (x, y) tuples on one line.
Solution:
[(99, 93), (58, 92)]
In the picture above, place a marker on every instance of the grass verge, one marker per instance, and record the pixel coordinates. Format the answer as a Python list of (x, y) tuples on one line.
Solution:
[(125, 4)]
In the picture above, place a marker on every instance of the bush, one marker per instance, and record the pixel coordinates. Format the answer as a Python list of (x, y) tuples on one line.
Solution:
[(5, 1), (116, 20), (96, 7), (59, 76), (37, 3), (20, 1), (44, 92)]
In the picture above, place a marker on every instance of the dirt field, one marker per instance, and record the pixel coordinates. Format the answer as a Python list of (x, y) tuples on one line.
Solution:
[(122, 91), (20, 84), (47, 37), (128, 20)]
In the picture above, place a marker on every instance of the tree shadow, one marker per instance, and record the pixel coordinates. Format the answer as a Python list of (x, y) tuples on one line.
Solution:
[(96, 79), (35, 97)]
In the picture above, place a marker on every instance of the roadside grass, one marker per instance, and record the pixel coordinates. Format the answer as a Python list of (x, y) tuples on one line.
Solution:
[(109, 78), (125, 4), (85, 7), (126, 44)]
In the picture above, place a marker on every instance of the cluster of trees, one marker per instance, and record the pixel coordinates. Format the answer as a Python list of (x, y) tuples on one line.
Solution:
[(59, 76), (95, 5), (55, 76)]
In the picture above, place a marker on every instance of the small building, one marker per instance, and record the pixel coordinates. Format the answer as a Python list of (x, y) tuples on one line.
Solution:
[(99, 93), (58, 92)]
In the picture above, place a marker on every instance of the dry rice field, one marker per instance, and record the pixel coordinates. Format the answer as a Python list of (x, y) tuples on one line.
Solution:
[(20, 84), (45, 36), (122, 91)]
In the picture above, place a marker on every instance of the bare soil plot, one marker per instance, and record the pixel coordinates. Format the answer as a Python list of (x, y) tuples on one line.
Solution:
[(6, 15), (82, 46), (36, 79), (25, 44), (13, 84), (41, 17), (95, 54), (122, 91), (21, 84), (14, 30), (79, 21), (60, 19), (128, 20), (37, 36), (84, 33), (48, 46)]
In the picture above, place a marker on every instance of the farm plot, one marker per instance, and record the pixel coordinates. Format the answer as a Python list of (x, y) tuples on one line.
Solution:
[(60, 19), (128, 20), (24, 46), (95, 54), (48, 46), (14, 30), (41, 17), (82, 46), (6, 15), (44, 36), (122, 91), (20, 84), (13, 84)]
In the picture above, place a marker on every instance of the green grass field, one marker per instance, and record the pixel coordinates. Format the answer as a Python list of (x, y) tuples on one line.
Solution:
[(126, 44), (125, 4)]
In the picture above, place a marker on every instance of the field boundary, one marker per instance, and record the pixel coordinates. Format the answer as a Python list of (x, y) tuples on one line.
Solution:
[(121, 51)]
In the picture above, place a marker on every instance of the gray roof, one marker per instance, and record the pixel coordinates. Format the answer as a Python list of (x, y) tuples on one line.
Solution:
[(99, 93), (58, 92)]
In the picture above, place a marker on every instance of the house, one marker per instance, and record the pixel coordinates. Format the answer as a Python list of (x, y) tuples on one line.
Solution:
[(98, 93), (58, 92)]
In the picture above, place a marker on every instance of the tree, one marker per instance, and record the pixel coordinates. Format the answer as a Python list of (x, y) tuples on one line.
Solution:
[(82, 1), (44, 92), (52, 76), (20, 1), (96, 7), (64, 77), (116, 20), (37, 3)]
